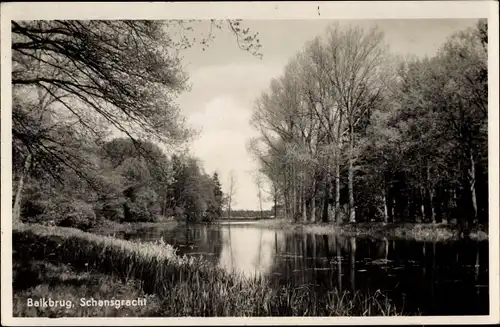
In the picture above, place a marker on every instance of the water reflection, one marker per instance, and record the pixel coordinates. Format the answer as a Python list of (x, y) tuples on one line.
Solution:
[(240, 253), (433, 278)]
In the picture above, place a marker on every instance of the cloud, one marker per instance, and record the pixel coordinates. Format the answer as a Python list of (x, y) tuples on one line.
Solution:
[(244, 82), (221, 113), (221, 145), (220, 106)]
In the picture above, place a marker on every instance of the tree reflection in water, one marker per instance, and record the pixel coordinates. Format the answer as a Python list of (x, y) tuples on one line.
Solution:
[(436, 278)]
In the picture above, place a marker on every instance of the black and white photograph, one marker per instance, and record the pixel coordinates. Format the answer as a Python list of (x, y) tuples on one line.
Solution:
[(244, 160)]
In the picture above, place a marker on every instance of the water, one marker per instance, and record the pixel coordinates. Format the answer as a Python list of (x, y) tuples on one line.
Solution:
[(443, 278)]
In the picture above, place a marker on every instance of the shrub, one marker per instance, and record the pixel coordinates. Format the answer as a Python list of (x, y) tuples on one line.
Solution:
[(77, 214), (141, 205), (136, 212), (113, 209), (59, 210)]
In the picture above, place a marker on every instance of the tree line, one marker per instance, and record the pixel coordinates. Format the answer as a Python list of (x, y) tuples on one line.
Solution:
[(124, 185), (248, 214), (351, 132), (75, 84)]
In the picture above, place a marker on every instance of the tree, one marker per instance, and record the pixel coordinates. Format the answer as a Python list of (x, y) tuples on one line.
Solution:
[(231, 192), (96, 75), (218, 196), (464, 59), (259, 183), (357, 65), (447, 96), (321, 103), (348, 125)]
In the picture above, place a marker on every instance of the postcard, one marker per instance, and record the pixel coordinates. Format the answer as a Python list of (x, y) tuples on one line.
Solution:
[(250, 163)]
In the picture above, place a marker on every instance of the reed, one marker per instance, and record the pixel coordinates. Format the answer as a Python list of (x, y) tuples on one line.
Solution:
[(42, 280), (187, 286)]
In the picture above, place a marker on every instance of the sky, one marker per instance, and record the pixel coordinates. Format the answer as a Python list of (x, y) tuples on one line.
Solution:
[(225, 82)]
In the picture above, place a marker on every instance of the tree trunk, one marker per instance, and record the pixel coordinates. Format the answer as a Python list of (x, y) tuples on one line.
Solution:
[(303, 204), (16, 210), (454, 204), (386, 249), (313, 209), (445, 206), (352, 209), (326, 196), (275, 203), (337, 217), (422, 203), (394, 210), (304, 207), (433, 211), (431, 195), (313, 202), (390, 203), (313, 246), (286, 192), (294, 193), (472, 183), (386, 213)]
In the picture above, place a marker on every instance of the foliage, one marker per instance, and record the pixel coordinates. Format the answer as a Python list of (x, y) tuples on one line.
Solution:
[(141, 205), (76, 82), (349, 126), (195, 195), (57, 209), (124, 185), (250, 214)]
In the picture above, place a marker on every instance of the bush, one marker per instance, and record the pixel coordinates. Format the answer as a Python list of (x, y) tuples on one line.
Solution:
[(77, 214), (36, 201), (59, 210), (113, 209), (141, 205), (137, 212)]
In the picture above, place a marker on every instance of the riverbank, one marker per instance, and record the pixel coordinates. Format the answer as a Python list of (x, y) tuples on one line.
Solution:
[(183, 286), (109, 226), (407, 231)]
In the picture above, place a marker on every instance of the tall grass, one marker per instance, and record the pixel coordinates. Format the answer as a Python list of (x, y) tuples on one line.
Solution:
[(185, 285), (39, 279)]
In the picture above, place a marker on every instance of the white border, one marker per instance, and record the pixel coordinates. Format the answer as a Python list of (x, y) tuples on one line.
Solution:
[(247, 10)]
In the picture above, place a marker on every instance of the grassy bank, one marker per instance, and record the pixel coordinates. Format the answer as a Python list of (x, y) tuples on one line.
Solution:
[(407, 231), (44, 280), (109, 226), (184, 286)]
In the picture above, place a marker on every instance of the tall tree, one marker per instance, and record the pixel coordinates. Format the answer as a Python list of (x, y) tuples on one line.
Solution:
[(96, 75), (218, 194), (358, 67), (231, 192), (259, 183)]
